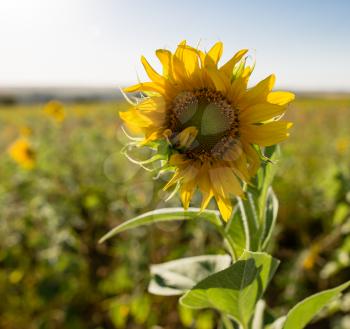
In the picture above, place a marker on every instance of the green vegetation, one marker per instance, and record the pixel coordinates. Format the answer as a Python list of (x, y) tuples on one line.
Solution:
[(53, 272)]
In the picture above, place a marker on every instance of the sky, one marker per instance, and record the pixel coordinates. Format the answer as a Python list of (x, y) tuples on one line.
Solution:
[(98, 43)]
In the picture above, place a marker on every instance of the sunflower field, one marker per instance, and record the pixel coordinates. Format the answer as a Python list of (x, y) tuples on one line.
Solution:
[(64, 184)]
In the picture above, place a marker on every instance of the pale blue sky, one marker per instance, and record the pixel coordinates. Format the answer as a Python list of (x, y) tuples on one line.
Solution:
[(99, 42)]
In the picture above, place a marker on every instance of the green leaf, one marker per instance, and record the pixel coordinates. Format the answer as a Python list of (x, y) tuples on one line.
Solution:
[(236, 233), (178, 276), (302, 313), (277, 324), (165, 214), (235, 290)]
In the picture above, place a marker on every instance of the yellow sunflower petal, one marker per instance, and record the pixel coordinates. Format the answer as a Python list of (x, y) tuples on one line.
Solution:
[(267, 134), (261, 112), (240, 168), (179, 71), (186, 172), (149, 113), (141, 126), (214, 54), (179, 49), (280, 97), (152, 104), (237, 90), (205, 187), (239, 86), (146, 86), (201, 57), (224, 181), (186, 137), (227, 68), (259, 93), (186, 192), (248, 70), (190, 60), (178, 55), (173, 180), (225, 207), (151, 135), (207, 195), (189, 172), (165, 57), (252, 158), (221, 82), (134, 118), (152, 74), (155, 103)]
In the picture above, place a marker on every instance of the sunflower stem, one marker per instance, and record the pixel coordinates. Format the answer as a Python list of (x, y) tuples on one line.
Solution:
[(228, 243)]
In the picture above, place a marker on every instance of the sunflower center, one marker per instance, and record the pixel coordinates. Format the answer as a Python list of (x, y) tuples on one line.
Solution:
[(216, 121)]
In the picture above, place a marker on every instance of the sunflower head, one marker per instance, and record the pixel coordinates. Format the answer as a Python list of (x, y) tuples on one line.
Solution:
[(55, 110), (23, 153), (212, 124)]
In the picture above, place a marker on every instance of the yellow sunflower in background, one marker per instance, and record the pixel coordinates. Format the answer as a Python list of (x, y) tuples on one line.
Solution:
[(211, 121), (23, 153), (55, 110)]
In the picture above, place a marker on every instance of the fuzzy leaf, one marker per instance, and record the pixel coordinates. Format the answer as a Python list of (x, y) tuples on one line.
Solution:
[(178, 276), (302, 313), (235, 290), (236, 233), (162, 215)]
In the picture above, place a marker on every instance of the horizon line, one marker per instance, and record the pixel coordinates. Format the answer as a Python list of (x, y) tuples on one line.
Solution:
[(82, 87)]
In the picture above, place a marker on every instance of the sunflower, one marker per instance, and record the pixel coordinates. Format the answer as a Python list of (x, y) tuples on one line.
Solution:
[(55, 110), (213, 124), (23, 153)]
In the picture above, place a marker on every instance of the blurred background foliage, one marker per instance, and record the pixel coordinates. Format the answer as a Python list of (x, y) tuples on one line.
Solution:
[(54, 274)]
